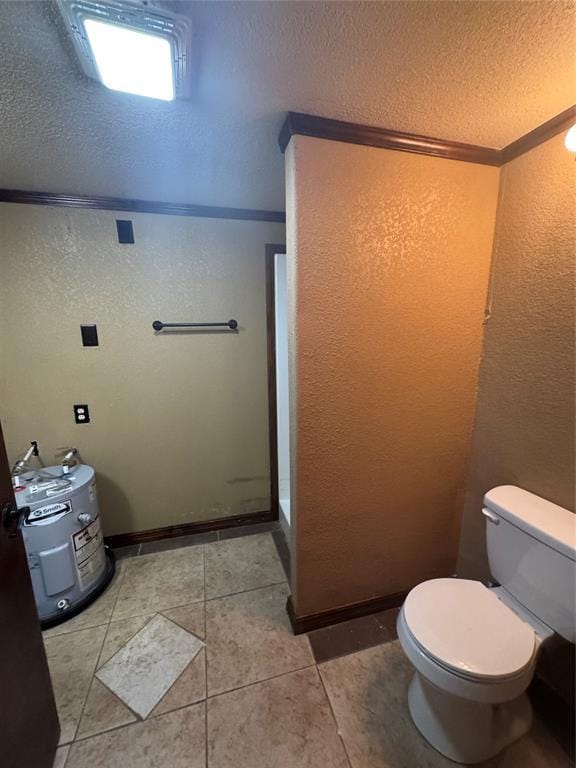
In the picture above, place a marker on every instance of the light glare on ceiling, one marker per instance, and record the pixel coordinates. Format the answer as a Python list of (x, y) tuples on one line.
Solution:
[(132, 61), (570, 139)]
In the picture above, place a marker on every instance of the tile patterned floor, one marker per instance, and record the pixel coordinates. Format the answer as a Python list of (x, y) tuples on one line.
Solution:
[(188, 661)]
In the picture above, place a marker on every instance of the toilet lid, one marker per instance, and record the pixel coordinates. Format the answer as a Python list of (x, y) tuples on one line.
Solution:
[(463, 625)]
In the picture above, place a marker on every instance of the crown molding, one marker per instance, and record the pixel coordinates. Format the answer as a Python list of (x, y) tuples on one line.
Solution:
[(539, 135), (88, 202), (299, 124)]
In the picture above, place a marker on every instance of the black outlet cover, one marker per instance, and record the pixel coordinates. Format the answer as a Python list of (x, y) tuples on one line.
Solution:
[(89, 335), (81, 414)]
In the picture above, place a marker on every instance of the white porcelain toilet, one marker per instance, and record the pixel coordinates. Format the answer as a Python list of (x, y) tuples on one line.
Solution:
[(475, 647)]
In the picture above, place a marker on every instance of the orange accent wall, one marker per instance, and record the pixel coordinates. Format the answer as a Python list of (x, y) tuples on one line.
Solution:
[(388, 260)]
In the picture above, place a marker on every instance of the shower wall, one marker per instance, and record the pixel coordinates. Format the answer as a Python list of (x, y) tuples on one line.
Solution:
[(282, 394), (179, 424)]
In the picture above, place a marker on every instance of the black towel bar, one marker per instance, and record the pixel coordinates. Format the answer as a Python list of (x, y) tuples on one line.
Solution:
[(231, 324)]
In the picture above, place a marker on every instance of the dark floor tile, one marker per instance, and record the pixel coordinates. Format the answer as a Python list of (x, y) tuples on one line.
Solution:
[(283, 551), (177, 542), (347, 637), (557, 715), (120, 553), (248, 530), (387, 620)]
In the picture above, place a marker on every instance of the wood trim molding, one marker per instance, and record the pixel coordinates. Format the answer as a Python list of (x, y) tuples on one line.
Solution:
[(354, 133), (271, 250), (302, 624), (88, 202), (539, 135), (186, 529), (300, 124)]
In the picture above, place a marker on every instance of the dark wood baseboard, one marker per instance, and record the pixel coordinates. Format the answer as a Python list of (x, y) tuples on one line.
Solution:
[(186, 529), (302, 624)]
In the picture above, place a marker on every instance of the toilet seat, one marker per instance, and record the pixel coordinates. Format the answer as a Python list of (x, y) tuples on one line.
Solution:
[(463, 626)]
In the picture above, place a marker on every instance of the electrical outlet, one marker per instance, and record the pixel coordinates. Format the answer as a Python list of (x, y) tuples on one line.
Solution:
[(81, 414)]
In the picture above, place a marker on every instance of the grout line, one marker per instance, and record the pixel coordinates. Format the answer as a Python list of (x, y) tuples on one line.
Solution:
[(149, 618), (103, 623), (206, 667), (200, 700), (92, 675), (244, 591), (139, 721), (121, 574), (163, 611), (67, 753), (157, 610), (257, 682), (338, 731), (114, 727)]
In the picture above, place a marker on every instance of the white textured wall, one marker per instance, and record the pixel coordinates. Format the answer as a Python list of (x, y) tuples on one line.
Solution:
[(179, 428)]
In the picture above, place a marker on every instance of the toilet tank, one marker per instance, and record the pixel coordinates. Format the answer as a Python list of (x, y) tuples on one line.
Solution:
[(532, 553)]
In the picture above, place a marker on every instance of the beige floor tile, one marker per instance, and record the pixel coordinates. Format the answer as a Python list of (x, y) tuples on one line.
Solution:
[(96, 614), (240, 564), (176, 740), (102, 712), (145, 668), (164, 580), (189, 688), (60, 758), (281, 723), (368, 693), (189, 617), (72, 660), (537, 749), (119, 633), (248, 638)]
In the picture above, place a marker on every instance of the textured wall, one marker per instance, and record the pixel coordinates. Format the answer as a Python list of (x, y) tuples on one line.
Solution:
[(179, 426), (524, 430), (389, 257)]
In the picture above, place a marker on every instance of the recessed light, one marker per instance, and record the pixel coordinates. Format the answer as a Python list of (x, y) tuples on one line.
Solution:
[(130, 47), (130, 60)]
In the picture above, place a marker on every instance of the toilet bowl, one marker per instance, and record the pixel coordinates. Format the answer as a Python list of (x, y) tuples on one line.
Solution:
[(475, 648), (474, 658)]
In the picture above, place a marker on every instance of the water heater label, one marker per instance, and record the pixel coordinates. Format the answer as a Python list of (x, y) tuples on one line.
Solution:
[(89, 553), (48, 511)]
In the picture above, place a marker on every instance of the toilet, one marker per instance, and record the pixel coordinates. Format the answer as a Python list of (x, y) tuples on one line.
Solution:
[(475, 647)]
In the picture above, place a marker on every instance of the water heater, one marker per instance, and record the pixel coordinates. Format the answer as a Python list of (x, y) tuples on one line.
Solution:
[(60, 524)]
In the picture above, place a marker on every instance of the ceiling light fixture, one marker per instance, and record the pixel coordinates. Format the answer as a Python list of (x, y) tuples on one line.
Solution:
[(130, 47)]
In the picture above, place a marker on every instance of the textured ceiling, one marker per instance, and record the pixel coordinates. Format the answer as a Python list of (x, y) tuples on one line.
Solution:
[(480, 72)]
